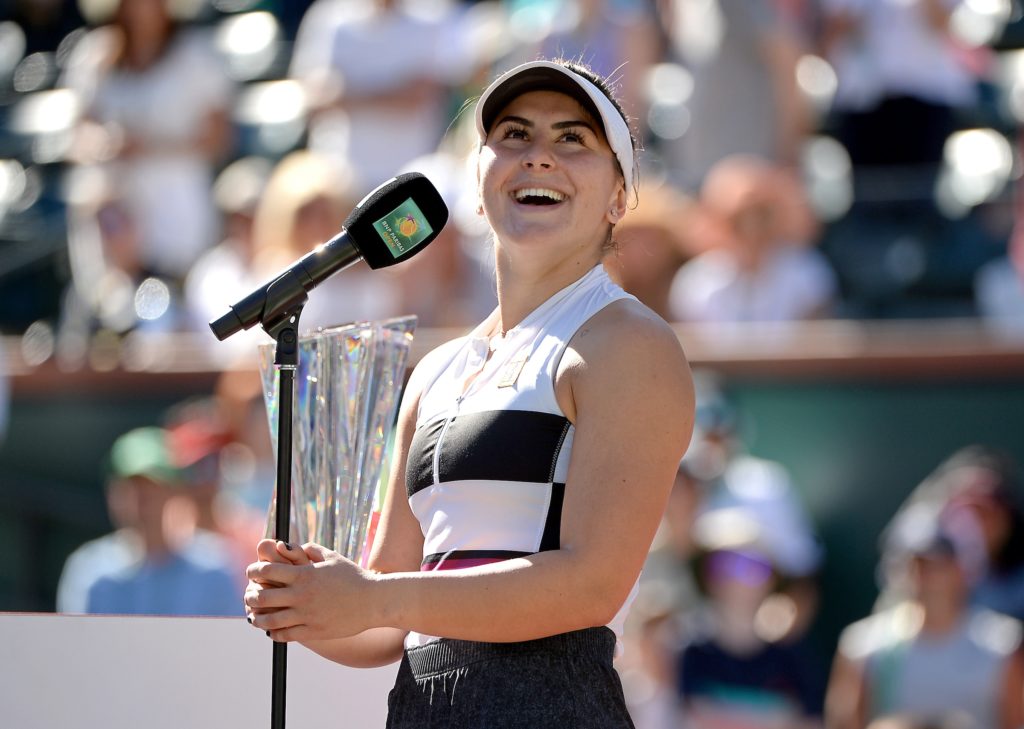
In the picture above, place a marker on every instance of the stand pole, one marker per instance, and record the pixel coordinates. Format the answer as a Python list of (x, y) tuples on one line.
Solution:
[(286, 359)]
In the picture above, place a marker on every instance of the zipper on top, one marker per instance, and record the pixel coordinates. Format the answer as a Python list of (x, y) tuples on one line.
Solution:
[(452, 414)]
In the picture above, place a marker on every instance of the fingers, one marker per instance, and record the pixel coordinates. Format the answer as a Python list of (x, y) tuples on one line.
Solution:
[(294, 555), (266, 551), (260, 599), (272, 574), (318, 552), (278, 620)]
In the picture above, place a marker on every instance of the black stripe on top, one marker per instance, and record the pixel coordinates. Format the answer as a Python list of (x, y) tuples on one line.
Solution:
[(494, 445), (463, 555)]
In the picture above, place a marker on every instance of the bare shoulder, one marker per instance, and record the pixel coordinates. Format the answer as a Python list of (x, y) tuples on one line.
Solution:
[(625, 352), (629, 332)]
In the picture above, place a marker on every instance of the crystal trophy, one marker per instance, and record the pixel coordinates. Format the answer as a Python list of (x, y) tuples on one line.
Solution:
[(347, 388)]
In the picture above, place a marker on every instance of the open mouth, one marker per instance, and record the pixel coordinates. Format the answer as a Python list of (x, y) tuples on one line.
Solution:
[(538, 196)]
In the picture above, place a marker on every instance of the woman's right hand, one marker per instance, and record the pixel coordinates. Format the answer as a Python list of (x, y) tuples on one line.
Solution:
[(274, 550)]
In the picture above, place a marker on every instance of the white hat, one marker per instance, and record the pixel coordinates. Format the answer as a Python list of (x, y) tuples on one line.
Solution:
[(545, 75)]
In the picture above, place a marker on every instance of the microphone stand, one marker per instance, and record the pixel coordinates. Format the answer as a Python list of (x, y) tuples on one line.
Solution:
[(280, 319)]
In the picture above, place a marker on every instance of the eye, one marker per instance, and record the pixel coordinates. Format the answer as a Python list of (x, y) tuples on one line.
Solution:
[(573, 136), (514, 131)]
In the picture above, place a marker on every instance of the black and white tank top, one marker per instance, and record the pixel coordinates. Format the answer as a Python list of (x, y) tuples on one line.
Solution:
[(488, 461)]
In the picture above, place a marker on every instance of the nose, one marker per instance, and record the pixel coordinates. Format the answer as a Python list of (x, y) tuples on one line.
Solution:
[(537, 155)]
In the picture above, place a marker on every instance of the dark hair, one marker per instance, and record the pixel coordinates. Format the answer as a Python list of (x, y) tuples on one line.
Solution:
[(1004, 491)]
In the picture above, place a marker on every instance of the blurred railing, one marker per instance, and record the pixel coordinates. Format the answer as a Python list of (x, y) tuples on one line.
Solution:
[(818, 349)]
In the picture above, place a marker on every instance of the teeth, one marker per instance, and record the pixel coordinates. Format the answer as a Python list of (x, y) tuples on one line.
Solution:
[(539, 192)]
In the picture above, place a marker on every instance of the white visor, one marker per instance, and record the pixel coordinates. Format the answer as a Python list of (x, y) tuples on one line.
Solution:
[(545, 75)]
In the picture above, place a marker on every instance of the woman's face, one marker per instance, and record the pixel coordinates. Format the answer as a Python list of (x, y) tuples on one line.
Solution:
[(548, 178)]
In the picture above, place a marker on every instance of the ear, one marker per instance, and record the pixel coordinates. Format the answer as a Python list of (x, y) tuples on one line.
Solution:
[(479, 190), (617, 205)]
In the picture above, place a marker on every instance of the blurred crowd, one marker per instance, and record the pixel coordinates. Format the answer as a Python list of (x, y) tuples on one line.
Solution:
[(802, 158), (721, 634)]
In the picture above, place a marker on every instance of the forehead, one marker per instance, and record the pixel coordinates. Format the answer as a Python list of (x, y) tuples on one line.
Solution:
[(552, 107)]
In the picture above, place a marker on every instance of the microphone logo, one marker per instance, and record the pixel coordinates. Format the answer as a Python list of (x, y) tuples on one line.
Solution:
[(403, 228)]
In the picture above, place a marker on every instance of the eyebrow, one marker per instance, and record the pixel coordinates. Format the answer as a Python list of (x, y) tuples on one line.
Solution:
[(556, 125)]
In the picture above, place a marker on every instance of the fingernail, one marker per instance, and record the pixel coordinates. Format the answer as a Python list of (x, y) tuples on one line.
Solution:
[(248, 620), (288, 546), (268, 633)]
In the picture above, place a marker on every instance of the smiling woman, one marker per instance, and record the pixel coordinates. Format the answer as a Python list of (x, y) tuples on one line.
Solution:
[(537, 453)]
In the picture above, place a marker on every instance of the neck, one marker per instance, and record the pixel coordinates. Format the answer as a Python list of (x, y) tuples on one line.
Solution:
[(940, 618), (522, 289), (736, 630)]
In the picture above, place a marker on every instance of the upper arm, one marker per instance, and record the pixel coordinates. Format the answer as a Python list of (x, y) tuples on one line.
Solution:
[(626, 385)]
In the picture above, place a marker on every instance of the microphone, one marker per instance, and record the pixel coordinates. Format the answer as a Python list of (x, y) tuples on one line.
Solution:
[(390, 225)]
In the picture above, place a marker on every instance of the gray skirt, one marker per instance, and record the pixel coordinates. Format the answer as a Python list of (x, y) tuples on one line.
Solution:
[(566, 681)]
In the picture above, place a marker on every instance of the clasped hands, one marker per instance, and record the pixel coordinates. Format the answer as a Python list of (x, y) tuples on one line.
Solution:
[(305, 593)]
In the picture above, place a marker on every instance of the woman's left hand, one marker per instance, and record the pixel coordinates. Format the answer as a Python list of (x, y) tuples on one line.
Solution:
[(321, 600)]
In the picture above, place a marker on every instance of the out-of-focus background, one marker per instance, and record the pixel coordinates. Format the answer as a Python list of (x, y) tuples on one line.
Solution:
[(828, 214)]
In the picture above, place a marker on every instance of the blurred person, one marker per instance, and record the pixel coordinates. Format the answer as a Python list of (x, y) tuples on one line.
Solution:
[(729, 672), (222, 274), (667, 594), (901, 84), (108, 271), (652, 243), (304, 204), (375, 111), (760, 263), (999, 284), (156, 99), (983, 483), (45, 23), (975, 492), (618, 39), (951, 720), (148, 565), (930, 655), (646, 666), (199, 442), (448, 284), (744, 497), (745, 100)]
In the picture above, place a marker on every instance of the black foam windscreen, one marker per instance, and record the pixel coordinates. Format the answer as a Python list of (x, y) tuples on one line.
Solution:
[(397, 219)]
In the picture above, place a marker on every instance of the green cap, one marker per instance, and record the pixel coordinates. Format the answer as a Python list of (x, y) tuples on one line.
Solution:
[(143, 452)]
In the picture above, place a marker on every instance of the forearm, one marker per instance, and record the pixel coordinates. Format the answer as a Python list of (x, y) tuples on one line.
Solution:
[(371, 648), (520, 599)]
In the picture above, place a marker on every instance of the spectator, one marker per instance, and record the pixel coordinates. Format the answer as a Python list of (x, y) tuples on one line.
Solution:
[(448, 284), (222, 275), (150, 563), (374, 117), (930, 657), (975, 492), (652, 242), (999, 284), (982, 483), (900, 86), (156, 99), (745, 96), (617, 39), (729, 673), (760, 265)]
